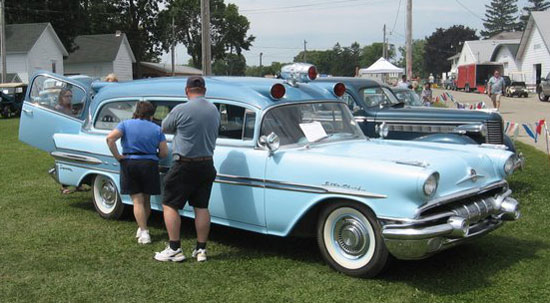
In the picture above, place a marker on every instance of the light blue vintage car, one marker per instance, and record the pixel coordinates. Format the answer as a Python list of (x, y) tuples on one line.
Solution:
[(291, 160)]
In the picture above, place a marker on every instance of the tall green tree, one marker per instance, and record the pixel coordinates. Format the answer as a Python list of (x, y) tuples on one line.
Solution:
[(231, 65), (229, 29), (500, 16), (444, 43), (371, 53), (338, 61), (536, 6), (418, 47)]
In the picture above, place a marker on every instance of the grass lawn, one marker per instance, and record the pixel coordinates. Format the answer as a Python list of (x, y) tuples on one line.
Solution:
[(56, 248)]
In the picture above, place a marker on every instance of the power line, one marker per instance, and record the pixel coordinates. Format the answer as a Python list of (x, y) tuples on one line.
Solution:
[(296, 6), (307, 9), (469, 10), (396, 16)]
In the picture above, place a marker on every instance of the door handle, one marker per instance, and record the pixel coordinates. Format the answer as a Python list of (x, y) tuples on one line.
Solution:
[(27, 111)]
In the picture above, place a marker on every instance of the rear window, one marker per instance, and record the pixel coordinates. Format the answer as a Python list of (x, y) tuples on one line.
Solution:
[(112, 113)]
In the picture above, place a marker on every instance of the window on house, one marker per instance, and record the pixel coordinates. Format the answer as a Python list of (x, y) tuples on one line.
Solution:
[(54, 70)]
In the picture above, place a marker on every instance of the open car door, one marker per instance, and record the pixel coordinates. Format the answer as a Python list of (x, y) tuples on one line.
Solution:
[(53, 104)]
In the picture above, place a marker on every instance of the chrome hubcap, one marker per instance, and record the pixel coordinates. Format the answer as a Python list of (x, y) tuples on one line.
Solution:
[(107, 192), (351, 236)]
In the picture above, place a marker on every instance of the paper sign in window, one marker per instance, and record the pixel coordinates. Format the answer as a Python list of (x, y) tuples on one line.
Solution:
[(313, 131)]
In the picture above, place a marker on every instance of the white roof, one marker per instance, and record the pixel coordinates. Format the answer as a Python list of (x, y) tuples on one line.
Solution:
[(483, 49), (382, 66), (541, 21)]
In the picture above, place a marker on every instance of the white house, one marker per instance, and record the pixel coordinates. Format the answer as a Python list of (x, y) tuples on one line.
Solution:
[(533, 55), (100, 55), (480, 51), (31, 47), (506, 54)]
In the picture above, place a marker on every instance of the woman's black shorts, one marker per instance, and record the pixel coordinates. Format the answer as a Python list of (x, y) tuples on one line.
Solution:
[(139, 176)]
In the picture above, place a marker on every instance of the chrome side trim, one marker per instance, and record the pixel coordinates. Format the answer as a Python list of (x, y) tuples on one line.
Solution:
[(87, 167), (470, 177), (426, 122), (75, 157), (423, 164), (280, 185)]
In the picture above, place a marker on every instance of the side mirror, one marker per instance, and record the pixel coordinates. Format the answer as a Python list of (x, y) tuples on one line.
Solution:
[(271, 141)]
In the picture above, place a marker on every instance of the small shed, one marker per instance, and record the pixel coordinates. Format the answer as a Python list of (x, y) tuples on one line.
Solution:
[(381, 70), (100, 55), (153, 70)]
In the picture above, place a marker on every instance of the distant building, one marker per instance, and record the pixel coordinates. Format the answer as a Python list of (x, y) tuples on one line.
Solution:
[(31, 47), (100, 55), (533, 55), (153, 70)]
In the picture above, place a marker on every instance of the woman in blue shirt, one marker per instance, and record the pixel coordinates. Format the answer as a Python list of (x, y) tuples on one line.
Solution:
[(142, 144)]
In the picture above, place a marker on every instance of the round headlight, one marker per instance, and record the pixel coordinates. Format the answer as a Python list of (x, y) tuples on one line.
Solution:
[(509, 165), (430, 185)]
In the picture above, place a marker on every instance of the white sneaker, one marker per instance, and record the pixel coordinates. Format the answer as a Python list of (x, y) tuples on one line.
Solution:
[(144, 237), (138, 232), (169, 254), (200, 254)]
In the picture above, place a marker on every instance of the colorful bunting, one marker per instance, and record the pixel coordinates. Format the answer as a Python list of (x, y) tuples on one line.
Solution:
[(529, 130)]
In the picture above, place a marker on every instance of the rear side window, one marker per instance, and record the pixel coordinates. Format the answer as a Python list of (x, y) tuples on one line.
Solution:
[(236, 122), (58, 95), (111, 114)]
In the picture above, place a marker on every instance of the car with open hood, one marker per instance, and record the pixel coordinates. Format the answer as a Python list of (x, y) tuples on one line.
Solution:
[(291, 160)]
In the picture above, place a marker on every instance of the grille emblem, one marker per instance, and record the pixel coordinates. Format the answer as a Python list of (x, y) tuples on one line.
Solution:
[(473, 174)]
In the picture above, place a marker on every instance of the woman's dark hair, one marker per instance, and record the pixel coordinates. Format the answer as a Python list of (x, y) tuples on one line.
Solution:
[(144, 110)]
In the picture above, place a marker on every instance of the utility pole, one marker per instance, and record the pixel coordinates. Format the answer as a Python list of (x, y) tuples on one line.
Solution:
[(3, 40), (384, 52), (409, 39), (305, 51), (261, 54), (173, 50), (205, 31)]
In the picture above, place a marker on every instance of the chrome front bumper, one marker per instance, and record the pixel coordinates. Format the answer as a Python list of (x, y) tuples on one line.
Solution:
[(418, 239)]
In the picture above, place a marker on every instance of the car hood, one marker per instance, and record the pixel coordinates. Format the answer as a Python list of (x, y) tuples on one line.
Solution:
[(434, 114)]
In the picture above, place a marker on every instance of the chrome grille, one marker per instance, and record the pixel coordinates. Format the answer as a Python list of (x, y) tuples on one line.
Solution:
[(495, 133), (476, 210)]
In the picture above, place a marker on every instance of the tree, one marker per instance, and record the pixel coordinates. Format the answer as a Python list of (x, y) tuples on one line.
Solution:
[(418, 47), (339, 61), (500, 16), (536, 6), (444, 43), (228, 29), (232, 65), (273, 69), (371, 53)]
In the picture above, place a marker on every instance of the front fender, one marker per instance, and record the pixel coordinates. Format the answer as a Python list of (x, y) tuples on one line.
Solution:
[(447, 138), (509, 144)]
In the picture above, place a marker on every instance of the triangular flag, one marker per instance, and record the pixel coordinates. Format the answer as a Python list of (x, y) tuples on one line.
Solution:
[(539, 126), (516, 132), (513, 127), (444, 97), (506, 127), (529, 131)]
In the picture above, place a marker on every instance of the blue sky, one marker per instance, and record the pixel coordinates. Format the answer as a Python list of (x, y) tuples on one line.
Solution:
[(281, 26)]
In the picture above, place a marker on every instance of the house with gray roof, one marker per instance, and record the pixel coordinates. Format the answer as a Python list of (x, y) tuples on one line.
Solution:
[(152, 70), (533, 54), (31, 47), (100, 55)]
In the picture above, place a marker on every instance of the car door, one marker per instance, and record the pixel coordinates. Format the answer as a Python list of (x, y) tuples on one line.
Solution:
[(238, 193), (53, 104)]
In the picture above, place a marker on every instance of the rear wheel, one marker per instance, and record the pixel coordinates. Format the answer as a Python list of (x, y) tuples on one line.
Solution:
[(350, 239), (106, 199), (542, 96)]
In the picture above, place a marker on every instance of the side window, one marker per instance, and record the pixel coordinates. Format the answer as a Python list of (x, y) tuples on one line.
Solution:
[(114, 112), (351, 103), (58, 95), (236, 122)]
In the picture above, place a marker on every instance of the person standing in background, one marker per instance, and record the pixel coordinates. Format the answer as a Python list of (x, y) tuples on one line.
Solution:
[(495, 89)]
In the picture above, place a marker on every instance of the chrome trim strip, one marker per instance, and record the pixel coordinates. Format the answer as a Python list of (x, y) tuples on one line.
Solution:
[(426, 122), (75, 157), (469, 177), (92, 168)]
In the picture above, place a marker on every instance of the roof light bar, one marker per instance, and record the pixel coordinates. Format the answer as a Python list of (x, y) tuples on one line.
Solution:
[(299, 72)]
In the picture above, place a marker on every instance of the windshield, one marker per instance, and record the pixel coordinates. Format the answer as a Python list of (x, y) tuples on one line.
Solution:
[(375, 96), (302, 124), (408, 97)]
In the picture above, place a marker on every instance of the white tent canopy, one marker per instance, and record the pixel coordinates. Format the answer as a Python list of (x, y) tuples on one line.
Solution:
[(382, 66)]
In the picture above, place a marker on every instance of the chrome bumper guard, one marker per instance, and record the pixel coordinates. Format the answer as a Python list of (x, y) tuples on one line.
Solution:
[(421, 238), (53, 173), (520, 161)]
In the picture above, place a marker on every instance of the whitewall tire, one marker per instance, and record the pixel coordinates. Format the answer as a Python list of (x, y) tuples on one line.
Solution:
[(106, 199)]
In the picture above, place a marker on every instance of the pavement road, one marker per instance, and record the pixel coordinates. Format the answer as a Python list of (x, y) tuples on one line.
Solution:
[(518, 110)]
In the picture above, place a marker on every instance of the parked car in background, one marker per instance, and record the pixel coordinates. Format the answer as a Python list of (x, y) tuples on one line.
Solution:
[(407, 96), (517, 89), (291, 160), (543, 89), (11, 98), (381, 114)]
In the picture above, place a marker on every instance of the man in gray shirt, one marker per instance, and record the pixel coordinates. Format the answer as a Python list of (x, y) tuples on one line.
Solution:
[(495, 88), (195, 126)]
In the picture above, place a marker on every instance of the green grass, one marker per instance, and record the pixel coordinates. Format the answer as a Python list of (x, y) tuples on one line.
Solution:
[(55, 248)]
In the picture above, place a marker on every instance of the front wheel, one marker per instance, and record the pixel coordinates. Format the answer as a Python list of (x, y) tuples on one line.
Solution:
[(106, 199), (350, 240), (542, 96)]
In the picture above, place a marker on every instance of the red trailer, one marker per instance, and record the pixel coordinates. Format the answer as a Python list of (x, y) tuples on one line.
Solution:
[(473, 77)]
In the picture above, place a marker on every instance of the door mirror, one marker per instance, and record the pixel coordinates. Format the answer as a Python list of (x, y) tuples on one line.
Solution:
[(271, 141)]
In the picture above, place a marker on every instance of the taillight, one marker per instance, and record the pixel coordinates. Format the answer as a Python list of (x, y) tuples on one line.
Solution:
[(339, 89), (278, 91)]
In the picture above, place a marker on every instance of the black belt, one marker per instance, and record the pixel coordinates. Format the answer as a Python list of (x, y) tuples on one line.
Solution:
[(138, 154), (179, 158)]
